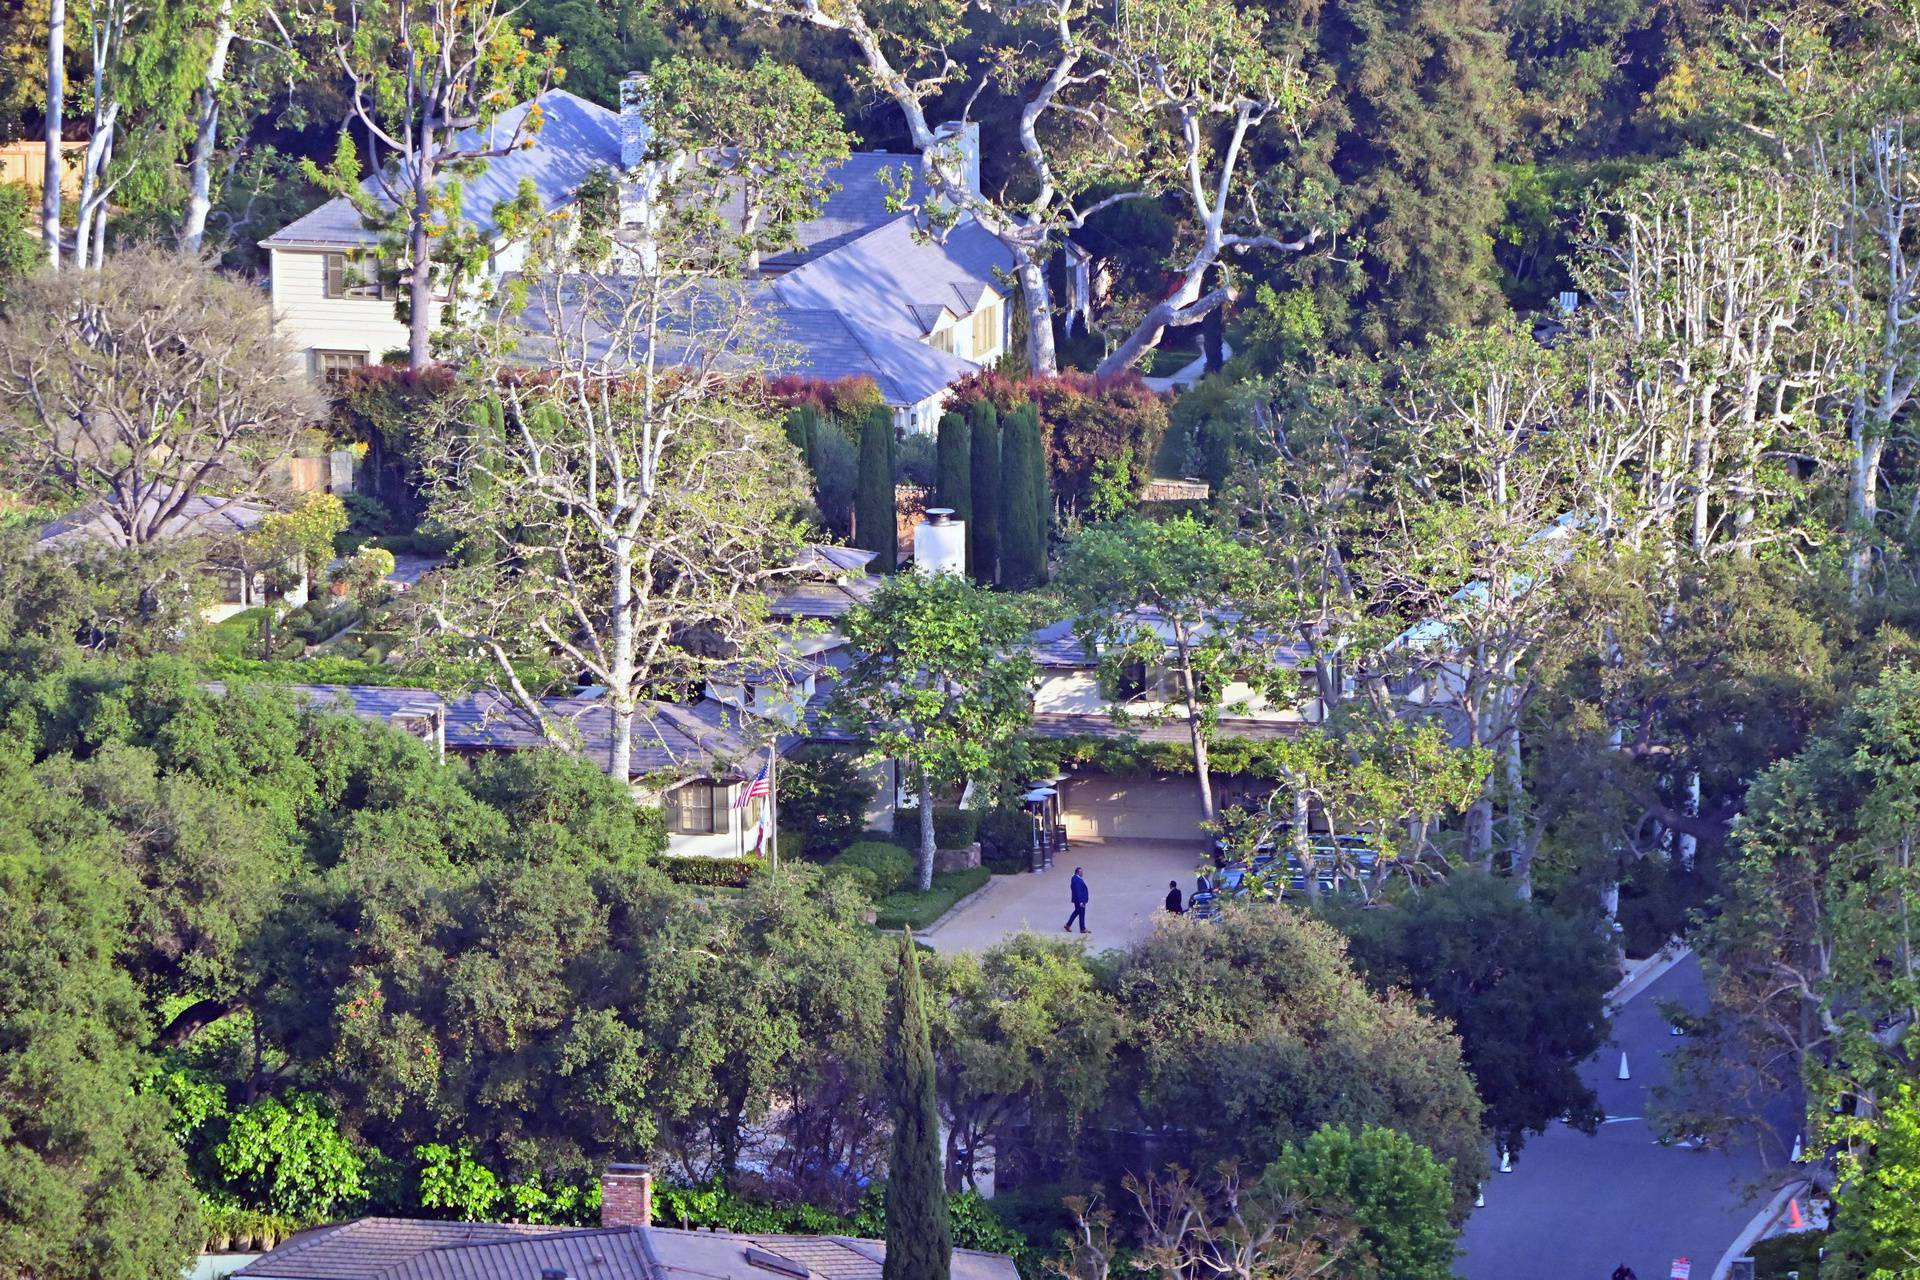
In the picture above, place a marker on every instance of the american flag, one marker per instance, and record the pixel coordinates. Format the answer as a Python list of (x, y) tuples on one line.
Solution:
[(753, 790)]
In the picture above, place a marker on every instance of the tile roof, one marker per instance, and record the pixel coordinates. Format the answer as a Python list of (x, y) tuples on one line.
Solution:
[(405, 1249), (575, 136)]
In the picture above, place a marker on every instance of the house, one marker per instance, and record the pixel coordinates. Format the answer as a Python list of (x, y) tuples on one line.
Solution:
[(867, 293), (214, 521), (692, 759), (625, 1246), (1071, 700)]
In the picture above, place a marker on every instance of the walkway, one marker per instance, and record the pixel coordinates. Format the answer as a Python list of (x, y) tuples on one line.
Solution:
[(1575, 1207), (1126, 881)]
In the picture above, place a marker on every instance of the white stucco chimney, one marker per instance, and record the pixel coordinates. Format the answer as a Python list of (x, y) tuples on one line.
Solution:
[(940, 543), (635, 133), (963, 136)]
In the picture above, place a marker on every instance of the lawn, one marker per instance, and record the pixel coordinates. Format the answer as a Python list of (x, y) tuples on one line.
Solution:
[(913, 909)]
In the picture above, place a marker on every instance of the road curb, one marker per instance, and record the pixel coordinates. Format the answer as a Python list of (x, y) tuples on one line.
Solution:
[(1757, 1228), (1650, 971), (952, 911)]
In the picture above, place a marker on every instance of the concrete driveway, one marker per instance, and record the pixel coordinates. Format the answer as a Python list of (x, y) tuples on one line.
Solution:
[(1575, 1207), (1126, 882)]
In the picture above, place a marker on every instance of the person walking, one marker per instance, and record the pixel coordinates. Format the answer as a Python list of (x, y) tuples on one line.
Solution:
[(1624, 1272), (1079, 890), (1173, 897)]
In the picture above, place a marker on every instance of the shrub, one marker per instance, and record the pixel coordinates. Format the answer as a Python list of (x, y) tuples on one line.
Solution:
[(1006, 839), (916, 461), (823, 798), (889, 865), (289, 1156), (1082, 420), (955, 828), (713, 873)]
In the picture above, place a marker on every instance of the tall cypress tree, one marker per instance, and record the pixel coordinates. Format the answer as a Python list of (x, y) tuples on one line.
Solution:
[(983, 535), (919, 1238), (873, 511), (955, 478), (1022, 547), (803, 428), (1042, 489)]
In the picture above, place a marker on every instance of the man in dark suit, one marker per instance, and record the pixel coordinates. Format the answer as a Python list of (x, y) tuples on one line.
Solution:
[(1079, 888)]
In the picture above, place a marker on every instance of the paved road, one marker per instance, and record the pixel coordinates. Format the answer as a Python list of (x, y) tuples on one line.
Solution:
[(1575, 1206)]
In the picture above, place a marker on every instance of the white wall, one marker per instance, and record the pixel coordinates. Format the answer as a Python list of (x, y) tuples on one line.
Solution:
[(310, 320)]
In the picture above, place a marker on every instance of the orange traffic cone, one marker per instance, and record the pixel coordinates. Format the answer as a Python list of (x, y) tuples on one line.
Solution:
[(1794, 1219)]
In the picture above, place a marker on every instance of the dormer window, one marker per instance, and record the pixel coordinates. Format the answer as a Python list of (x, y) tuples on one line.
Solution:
[(943, 340)]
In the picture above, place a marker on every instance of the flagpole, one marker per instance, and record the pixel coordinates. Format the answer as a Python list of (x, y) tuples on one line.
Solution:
[(773, 808)]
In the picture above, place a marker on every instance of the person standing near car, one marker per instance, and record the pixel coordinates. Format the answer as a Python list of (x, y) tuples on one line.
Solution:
[(1078, 889)]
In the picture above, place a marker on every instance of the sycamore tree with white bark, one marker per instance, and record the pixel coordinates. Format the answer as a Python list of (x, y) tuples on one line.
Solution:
[(1156, 99), (626, 503)]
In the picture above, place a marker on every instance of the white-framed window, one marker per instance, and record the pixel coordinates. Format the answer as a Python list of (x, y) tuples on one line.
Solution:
[(696, 809), (330, 366), (356, 275), (943, 340)]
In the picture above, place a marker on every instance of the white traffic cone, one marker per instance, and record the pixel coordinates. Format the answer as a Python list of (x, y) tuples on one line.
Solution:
[(1675, 1030), (1795, 1157), (1480, 1201), (1624, 1073), (1506, 1160)]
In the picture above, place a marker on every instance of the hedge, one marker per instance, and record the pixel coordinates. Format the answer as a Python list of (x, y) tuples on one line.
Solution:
[(714, 873), (879, 866), (955, 828)]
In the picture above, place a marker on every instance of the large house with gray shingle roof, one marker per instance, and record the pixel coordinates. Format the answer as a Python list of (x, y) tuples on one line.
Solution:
[(867, 293), (625, 1246)]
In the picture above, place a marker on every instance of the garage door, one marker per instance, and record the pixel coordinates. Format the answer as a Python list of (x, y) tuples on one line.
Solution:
[(1101, 806)]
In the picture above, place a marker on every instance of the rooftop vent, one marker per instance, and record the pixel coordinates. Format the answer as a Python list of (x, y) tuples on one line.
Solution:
[(773, 1262)]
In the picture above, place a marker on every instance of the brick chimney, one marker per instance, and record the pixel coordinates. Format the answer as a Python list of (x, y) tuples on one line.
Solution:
[(626, 1196)]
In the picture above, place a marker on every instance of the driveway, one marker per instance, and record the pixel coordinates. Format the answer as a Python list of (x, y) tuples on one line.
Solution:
[(1575, 1207), (1126, 881)]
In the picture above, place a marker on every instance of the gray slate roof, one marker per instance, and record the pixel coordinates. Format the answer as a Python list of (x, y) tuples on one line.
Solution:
[(823, 599), (666, 736), (405, 1249), (576, 136), (201, 517), (857, 206)]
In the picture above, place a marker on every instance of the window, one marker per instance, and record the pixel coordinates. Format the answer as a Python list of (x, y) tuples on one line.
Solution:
[(943, 340), (690, 809), (331, 366), (355, 275), (986, 329)]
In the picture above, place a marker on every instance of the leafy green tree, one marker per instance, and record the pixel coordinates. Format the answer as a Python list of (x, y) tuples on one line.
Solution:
[(824, 797), (287, 1155), (1023, 537), (919, 1238), (300, 537), (875, 525), (1525, 987), (92, 1186), (765, 133), (940, 681), (1398, 1196), (1251, 1031), (955, 471), (420, 76), (983, 488), (1026, 1043), (1177, 592), (1877, 1228)]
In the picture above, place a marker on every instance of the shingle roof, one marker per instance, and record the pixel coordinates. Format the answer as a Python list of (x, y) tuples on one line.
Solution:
[(666, 736), (823, 599), (1056, 645), (575, 136), (368, 1246), (405, 1249), (200, 517), (877, 279), (857, 206), (1054, 724), (825, 557)]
